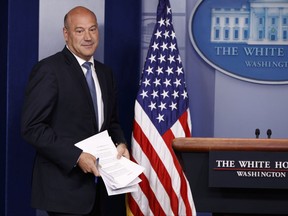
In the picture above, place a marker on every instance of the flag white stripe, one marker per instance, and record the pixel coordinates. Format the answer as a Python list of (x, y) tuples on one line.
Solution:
[(189, 120), (177, 130)]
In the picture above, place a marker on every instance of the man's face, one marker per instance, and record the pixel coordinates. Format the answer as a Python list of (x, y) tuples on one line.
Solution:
[(81, 34)]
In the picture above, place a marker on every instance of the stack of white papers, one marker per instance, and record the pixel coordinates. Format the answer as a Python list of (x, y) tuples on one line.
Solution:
[(119, 175)]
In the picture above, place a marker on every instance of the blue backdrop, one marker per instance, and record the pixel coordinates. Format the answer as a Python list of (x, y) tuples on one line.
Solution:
[(19, 52)]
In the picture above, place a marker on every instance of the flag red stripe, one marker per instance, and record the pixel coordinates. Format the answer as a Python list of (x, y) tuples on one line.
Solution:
[(134, 208), (157, 165), (153, 201), (168, 137), (185, 126)]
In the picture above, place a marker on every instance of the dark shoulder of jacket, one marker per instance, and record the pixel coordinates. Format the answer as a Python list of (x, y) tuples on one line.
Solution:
[(62, 56), (53, 59)]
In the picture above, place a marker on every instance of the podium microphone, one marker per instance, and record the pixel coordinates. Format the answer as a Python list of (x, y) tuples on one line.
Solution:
[(257, 133), (269, 133)]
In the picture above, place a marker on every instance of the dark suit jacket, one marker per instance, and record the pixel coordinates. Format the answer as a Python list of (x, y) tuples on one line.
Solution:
[(57, 113)]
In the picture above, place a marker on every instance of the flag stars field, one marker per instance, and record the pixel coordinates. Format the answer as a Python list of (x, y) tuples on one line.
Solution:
[(164, 73)]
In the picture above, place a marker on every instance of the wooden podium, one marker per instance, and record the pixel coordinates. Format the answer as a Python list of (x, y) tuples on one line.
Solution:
[(193, 154)]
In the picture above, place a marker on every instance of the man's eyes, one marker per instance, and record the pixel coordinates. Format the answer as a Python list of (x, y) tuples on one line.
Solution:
[(81, 31)]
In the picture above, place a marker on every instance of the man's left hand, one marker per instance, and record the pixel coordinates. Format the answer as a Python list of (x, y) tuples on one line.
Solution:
[(123, 151)]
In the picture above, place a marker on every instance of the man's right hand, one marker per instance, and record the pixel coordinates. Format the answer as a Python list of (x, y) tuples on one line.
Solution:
[(87, 163)]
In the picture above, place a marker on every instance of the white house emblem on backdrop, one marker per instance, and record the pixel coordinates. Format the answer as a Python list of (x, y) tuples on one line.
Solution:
[(246, 39)]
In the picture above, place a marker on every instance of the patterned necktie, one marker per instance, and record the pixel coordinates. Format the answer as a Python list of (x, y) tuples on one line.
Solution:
[(91, 84)]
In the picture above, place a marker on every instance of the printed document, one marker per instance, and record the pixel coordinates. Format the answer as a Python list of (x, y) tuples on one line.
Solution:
[(119, 175)]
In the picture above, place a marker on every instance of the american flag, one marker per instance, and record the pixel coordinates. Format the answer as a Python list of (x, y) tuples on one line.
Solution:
[(161, 114)]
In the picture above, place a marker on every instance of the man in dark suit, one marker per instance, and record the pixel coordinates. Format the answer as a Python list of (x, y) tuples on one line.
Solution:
[(58, 112)]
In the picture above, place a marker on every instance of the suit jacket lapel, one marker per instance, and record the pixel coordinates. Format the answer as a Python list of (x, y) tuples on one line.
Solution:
[(77, 73)]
